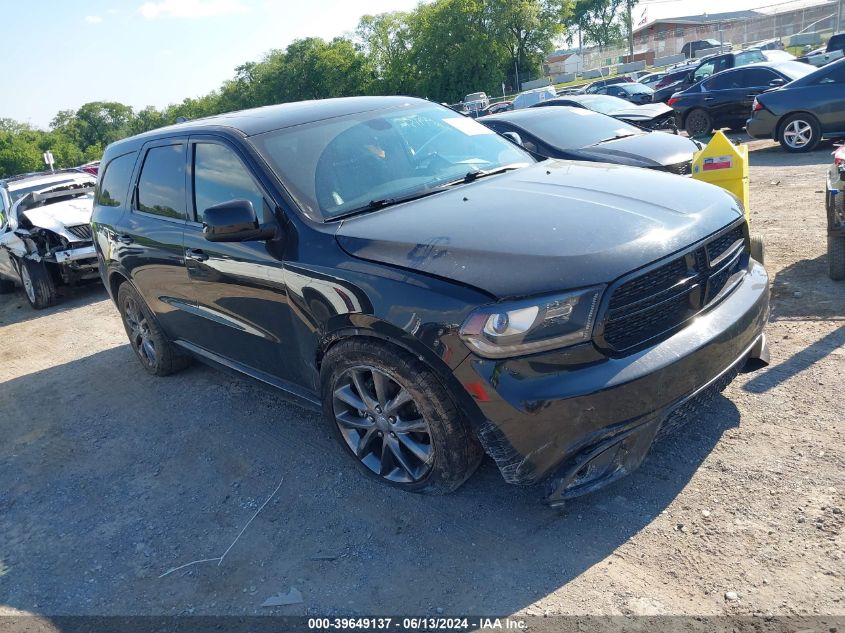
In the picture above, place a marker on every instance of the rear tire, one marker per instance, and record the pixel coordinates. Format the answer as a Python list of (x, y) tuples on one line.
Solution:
[(38, 286), (836, 256), (698, 123), (758, 248), (436, 457), (799, 133), (157, 354)]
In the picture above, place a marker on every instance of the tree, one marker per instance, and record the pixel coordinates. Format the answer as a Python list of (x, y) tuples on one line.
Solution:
[(598, 21), (528, 28), (387, 42)]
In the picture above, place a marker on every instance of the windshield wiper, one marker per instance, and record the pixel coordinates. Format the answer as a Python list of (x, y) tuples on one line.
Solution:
[(475, 174), (614, 138)]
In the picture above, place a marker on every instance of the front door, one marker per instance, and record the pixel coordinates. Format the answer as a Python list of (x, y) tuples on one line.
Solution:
[(239, 287)]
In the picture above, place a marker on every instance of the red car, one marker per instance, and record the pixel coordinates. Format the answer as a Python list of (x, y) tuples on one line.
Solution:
[(91, 167)]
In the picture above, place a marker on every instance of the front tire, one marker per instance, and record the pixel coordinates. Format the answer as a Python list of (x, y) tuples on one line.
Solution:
[(698, 123), (157, 354), (799, 133), (395, 418), (37, 284), (758, 248)]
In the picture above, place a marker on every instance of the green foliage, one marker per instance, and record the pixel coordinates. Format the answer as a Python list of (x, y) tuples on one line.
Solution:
[(442, 50)]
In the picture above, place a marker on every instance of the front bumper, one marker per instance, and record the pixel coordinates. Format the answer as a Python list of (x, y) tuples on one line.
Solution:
[(76, 254), (555, 416)]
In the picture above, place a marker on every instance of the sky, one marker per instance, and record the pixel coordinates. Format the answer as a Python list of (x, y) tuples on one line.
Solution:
[(58, 55)]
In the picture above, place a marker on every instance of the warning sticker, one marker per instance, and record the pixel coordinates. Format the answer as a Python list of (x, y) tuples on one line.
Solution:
[(717, 162)]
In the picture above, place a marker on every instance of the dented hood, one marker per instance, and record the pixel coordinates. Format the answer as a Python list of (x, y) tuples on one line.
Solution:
[(58, 215), (548, 227)]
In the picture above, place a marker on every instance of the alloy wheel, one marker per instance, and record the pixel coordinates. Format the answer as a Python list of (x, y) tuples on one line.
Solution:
[(382, 425), (28, 286), (697, 123), (139, 332), (798, 134)]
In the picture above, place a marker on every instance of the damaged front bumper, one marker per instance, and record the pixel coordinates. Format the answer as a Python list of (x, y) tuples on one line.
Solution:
[(577, 420), (76, 254)]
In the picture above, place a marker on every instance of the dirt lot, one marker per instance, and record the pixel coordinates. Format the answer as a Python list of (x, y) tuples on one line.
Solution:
[(109, 478)]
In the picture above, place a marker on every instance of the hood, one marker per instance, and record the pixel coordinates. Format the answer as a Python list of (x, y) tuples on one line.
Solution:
[(553, 226), (645, 112), (58, 215), (652, 149)]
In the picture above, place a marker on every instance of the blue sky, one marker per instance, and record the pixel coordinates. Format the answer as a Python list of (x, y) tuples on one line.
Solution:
[(58, 55)]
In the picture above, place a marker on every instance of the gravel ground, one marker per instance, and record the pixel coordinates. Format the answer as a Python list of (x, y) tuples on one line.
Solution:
[(111, 478)]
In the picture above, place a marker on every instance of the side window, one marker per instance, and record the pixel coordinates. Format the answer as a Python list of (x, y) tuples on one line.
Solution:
[(757, 77), (220, 176), (704, 71), (835, 76), (725, 81), (114, 184), (161, 187)]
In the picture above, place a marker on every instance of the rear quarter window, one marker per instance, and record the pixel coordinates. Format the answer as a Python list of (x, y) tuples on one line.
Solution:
[(114, 184)]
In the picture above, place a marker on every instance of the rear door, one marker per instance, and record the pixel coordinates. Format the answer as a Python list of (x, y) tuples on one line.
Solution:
[(149, 240), (756, 81), (723, 95), (238, 287)]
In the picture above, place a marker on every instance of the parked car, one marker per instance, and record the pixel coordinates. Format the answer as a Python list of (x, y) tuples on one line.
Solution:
[(691, 48), (476, 102), (834, 50), (633, 92), (652, 79), (665, 87), (726, 98), (596, 86), (804, 111), (835, 205), (487, 303), (45, 236), (501, 106), (90, 168), (579, 134), (652, 116), (707, 67), (530, 97)]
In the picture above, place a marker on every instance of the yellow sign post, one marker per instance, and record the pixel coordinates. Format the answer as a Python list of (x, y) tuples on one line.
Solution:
[(726, 165)]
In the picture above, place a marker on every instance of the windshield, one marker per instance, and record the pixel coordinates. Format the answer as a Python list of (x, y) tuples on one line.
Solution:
[(605, 103), (574, 128), (636, 89), (340, 165)]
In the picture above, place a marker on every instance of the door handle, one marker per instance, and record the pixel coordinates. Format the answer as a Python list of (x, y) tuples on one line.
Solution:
[(709, 98), (125, 239), (195, 255)]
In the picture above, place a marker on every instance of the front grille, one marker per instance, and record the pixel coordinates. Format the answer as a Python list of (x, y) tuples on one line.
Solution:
[(82, 231), (696, 405), (682, 169), (664, 298)]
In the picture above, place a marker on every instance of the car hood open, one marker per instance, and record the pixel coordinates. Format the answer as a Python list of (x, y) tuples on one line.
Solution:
[(552, 226)]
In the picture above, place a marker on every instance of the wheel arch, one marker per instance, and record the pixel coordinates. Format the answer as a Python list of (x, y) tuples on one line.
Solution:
[(395, 337)]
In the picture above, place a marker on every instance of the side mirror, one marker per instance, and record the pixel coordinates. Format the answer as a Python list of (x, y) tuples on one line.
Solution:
[(774, 83), (233, 221), (514, 138)]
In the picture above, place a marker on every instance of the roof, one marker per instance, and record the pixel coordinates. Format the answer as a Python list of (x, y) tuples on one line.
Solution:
[(704, 18), (532, 114), (273, 117)]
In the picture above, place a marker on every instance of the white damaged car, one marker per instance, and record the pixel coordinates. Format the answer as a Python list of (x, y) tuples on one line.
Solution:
[(45, 233)]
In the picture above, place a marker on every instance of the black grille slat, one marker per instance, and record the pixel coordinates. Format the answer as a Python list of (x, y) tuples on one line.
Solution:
[(664, 298), (682, 169), (721, 244), (82, 231)]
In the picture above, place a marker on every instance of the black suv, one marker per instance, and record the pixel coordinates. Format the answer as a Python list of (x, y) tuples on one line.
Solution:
[(437, 292), (673, 83)]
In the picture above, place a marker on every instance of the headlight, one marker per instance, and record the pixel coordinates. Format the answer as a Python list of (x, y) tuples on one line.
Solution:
[(533, 325)]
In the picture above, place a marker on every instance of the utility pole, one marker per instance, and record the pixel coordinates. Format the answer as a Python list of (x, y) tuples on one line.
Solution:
[(630, 22), (516, 74), (838, 17)]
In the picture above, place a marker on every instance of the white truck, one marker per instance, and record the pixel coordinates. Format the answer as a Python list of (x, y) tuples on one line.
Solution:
[(821, 56)]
